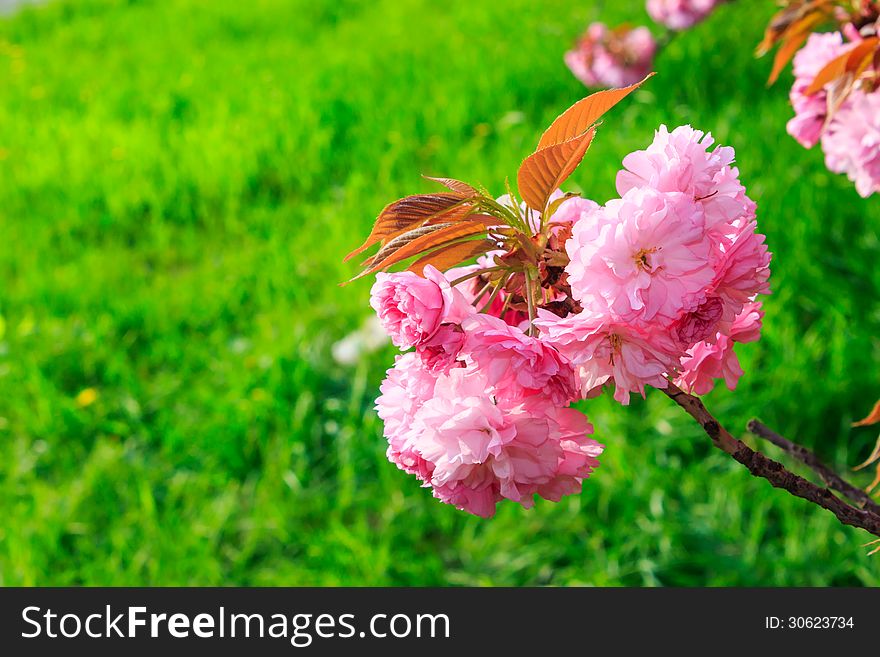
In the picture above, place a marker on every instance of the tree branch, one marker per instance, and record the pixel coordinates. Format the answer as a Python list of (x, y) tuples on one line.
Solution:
[(773, 471), (808, 458)]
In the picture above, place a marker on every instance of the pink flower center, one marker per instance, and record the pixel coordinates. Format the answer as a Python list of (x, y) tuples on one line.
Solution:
[(643, 260), (615, 341)]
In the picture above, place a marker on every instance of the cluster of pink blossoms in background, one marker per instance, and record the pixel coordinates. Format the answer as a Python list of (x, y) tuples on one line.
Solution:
[(612, 58), (680, 14), (851, 139), (618, 57), (665, 280)]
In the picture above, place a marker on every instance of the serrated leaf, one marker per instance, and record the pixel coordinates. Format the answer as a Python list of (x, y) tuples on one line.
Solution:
[(410, 212), (418, 241), (853, 61), (457, 186), (402, 240), (542, 172), (576, 119), (451, 255)]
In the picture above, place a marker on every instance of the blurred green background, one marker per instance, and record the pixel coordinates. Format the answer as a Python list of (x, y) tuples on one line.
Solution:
[(178, 183)]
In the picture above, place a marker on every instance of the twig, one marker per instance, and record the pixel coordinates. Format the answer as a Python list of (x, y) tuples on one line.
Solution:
[(808, 458), (774, 472)]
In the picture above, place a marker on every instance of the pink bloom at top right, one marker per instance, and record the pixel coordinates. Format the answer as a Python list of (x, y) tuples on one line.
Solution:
[(810, 110), (851, 137), (852, 142)]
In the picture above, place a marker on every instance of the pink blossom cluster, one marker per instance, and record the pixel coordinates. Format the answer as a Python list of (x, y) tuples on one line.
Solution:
[(664, 281), (605, 57), (666, 275), (680, 14), (851, 139), (478, 410)]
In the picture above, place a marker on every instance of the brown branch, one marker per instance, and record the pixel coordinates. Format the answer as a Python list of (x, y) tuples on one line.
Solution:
[(773, 471), (808, 458)]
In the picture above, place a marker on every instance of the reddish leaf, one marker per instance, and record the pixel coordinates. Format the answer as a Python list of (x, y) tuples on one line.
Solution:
[(875, 453), (542, 172), (837, 92), (876, 481), (457, 186), (853, 61), (793, 39), (420, 240), (413, 211), (787, 20), (872, 418), (451, 255), (576, 119), (402, 240)]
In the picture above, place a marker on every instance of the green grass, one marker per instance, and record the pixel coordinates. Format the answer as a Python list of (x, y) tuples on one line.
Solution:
[(178, 183)]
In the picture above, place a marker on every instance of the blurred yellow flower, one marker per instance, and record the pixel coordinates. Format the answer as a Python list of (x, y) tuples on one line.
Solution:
[(86, 397)]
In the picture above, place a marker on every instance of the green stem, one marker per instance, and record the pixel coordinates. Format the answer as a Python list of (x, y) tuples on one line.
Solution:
[(530, 302), (495, 292), (474, 274), (481, 293)]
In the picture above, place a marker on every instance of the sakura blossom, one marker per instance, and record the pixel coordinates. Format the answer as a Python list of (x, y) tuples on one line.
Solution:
[(517, 364), (852, 142), (412, 308), (811, 109), (605, 351), (640, 259), (680, 14), (707, 361), (475, 446), (847, 128), (653, 287), (605, 57), (681, 161)]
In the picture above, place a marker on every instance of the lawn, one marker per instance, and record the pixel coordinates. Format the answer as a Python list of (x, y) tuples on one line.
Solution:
[(178, 183)]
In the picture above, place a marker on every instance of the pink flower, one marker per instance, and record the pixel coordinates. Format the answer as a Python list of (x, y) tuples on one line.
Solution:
[(852, 141), (680, 14), (460, 426), (643, 258), (406, 387), (743, 270), (573, 210), (517, 365), (604, 351), (460, 435), (612, 58), (577, 456), (810, 111), (706, 362), (700, 324), (440, 352), (680, 161), (412, 308), (479, 451)]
